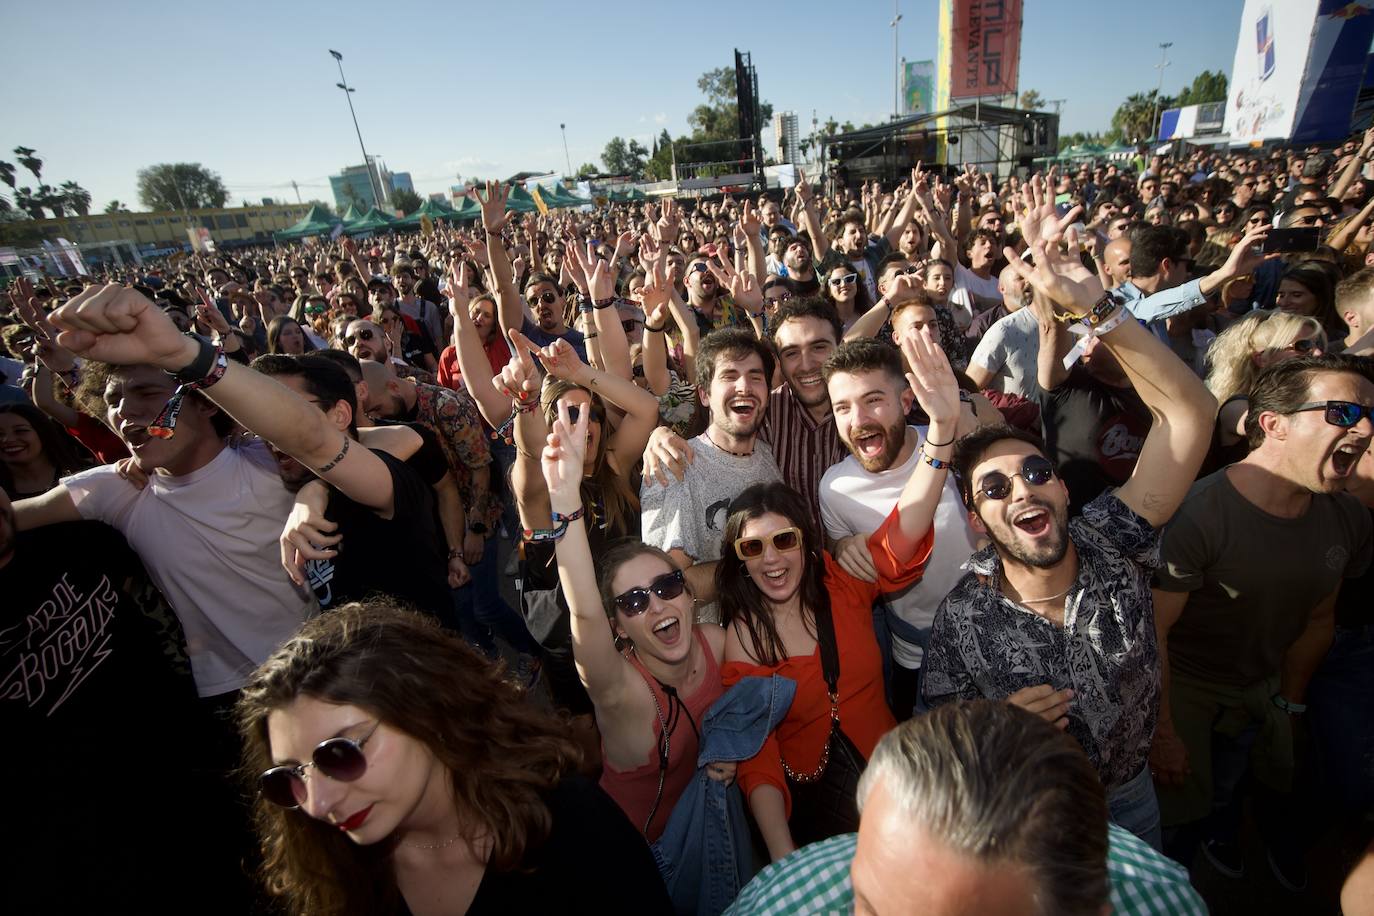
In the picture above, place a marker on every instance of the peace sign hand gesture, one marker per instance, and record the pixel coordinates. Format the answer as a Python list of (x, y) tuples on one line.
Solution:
[(562, 460)]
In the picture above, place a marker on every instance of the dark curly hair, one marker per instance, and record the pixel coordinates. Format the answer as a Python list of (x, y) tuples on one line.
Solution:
[(502, 753)]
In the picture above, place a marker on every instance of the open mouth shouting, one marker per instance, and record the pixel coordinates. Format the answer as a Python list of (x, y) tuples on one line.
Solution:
[(743, 409), (135, 435), (668, 631), (1035, 521), (870, 442), (1346, 455)]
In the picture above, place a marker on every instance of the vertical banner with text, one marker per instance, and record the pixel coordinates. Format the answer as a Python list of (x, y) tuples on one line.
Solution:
[(918, 87), (984, 48)]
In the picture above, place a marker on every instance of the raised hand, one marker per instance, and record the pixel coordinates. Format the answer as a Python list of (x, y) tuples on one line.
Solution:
[(563, 460), (743, 288), (116, 325), (931, 378), (458, 289), (519, 379), (749, 219), (494, 215), (599, 275)]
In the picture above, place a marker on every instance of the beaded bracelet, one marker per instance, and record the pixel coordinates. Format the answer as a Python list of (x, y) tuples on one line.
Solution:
[(518, 406), (560, 528), (936, 463)]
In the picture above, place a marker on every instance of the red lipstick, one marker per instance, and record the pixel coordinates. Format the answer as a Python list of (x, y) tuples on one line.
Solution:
[(356, 821)]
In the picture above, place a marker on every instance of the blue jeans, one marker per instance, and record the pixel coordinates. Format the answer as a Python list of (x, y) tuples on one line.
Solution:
[(483, 614), (1133, 806)]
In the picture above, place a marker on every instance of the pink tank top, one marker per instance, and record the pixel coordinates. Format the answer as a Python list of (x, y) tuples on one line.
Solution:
[(636, 790)]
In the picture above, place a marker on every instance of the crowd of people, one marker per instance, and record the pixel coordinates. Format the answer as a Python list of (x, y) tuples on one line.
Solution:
[(969, 544)]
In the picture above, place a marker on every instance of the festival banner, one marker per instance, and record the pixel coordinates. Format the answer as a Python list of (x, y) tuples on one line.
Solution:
[(918, 81), (984, 48)]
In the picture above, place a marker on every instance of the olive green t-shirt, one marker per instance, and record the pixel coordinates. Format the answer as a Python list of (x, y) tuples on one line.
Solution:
[(1253, 577)]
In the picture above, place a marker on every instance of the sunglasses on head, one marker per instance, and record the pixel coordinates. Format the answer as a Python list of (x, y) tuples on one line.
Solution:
[(783, 540), (636, 601), (363, 334), (1036, 471), (1344, 414), (846, 280), (340, 759), (546, 298)]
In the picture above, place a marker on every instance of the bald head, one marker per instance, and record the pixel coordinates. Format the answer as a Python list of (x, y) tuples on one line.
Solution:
[(1116, 257), (385, 394), (1014, 290)]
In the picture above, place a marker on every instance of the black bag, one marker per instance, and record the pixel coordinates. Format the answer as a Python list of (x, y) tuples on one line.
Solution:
[(825, 801)]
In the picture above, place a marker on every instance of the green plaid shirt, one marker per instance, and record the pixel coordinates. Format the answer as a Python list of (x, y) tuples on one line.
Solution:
[(815, 880)]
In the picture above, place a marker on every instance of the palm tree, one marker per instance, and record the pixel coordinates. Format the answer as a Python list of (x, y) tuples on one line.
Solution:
[(28, 160), (26, 200), (7, 174), (1135, 116), (48, 196), (77, 197), (116, 206)]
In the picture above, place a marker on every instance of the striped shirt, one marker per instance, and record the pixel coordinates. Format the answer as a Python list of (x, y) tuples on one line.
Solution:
[(815, 880), (803, 448)]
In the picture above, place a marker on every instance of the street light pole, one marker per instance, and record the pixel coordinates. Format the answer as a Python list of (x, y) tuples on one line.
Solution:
[(1163, 62), (567, 160), (367, 163), (896, 66)]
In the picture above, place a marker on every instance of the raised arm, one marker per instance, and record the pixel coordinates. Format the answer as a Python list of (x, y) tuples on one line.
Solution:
[(820, 245), (751, 224), (120, 326), (1183, 409), (509, 309), (1352, 168), (472, 359), (904, 216), (603, 671), (612, 344), (1055, 343), (1341, 238), (654, 349)]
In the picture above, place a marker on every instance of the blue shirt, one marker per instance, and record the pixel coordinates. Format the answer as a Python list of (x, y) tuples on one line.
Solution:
[(1157, 308)]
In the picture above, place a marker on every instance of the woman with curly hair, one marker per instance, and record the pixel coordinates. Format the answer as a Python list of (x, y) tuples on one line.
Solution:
[(398, 773)]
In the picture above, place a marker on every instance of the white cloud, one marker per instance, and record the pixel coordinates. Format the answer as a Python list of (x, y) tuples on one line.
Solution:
[(661, 118), (469, 164)]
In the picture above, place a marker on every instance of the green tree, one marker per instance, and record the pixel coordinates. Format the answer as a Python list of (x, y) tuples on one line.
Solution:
[(171, 186), (1207, 87), (18, 229), (28, 159), (30, 202), (587, 170), (7, 173), (621, 158), (1031, 100), (77, 197), (1134, 118), (406, 200), (660, 164), (718, 118), (116, 206), (52, 199)]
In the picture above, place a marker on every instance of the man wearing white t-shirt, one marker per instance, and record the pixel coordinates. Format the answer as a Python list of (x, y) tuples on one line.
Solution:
[(976, 288), (206, 525), (870, 397), (1006, 355)]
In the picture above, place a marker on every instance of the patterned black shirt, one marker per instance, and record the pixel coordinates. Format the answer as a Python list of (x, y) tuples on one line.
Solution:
[(984, 645)]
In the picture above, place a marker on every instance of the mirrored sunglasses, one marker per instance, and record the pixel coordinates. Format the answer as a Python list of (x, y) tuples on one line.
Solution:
[(1036, 471)]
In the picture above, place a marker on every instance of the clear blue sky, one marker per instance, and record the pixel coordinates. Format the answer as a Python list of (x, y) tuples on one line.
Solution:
[(248, 89)]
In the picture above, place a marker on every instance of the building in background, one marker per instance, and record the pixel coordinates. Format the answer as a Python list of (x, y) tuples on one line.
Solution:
[(400, 181), (353, 185), (786, 138), (151, 232)]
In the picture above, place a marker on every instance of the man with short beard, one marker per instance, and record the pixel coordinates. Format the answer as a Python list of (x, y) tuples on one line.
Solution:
[(366, 340), (415, 308), (686, 517), (871, 398), (1056, 615), (798, 272)]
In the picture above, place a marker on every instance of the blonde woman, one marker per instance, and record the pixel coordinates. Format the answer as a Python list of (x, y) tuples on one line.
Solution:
[(1235, 359)]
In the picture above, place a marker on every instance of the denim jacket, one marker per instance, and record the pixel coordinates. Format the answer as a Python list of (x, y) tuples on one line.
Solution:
[(704, 854)]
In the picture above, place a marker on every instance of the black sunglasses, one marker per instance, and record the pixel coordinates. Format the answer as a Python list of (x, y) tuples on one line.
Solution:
[(340, 759), (363, 334), (546, 297), (1344, 414), (1307, 345), (636, 601), (1036, 470)]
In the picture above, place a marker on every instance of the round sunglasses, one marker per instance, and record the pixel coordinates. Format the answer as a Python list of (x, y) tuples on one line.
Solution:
[(783, 540), (1344, 414), (1036, 471), (636, 601), (340, 759)]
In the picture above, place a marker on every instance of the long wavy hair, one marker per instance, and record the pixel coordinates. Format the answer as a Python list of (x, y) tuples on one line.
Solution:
[(605, 486), (501, 752), (274, 329), (1231, 365), (740, 599)]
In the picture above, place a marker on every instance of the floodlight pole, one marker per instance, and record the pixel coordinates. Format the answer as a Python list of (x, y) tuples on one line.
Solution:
[(1163, 62), (896, 66), (567, 160), (367, 163)]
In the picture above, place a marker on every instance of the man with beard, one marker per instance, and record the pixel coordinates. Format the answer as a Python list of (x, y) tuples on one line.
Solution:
[(708, 300), (1241, 636), (1055, 615), (798, 273), (870, 396), (365, 339), (853, 244), (426, 314), (686, 517), (539, 316)]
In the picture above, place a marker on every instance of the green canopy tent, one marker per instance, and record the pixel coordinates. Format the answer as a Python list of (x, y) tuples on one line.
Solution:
[(468, 209), (352, 214), (621, 197), (433, 209), (373, 220), (520, 200), (316, 222), (567, 198)]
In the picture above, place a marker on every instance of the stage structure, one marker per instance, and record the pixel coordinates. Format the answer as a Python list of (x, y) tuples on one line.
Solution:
[(737, 163), (1003, 141)]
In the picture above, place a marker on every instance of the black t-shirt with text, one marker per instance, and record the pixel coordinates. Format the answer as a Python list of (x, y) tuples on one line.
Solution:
[(1093, 434)]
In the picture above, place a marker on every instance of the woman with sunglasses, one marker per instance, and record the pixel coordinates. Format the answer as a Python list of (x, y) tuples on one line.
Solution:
[(652, 673), (791, 609), (1235, 360), (844, 290), (397, 772)]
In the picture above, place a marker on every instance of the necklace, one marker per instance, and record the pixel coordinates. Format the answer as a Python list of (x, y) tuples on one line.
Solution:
[(1046, 598), (748, 454), (445, 844)]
